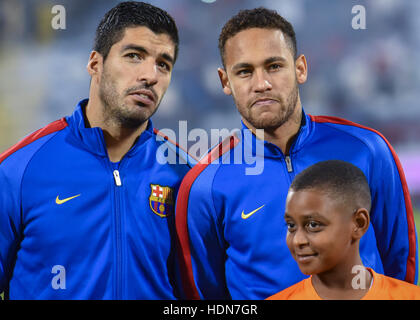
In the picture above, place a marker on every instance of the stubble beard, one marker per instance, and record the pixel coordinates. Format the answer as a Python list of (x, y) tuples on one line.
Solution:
[(115, 111), (275, 121)]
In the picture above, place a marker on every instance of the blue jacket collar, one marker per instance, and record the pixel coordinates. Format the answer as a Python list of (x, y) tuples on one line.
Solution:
[(267, 149), (92, 139)]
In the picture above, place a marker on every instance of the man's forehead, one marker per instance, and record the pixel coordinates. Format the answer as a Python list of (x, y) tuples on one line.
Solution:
[(259, 32), (245, 44), (145, 35)]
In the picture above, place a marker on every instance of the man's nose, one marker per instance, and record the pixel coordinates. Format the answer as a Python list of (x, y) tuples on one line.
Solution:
[(148, 72), (261, 81)]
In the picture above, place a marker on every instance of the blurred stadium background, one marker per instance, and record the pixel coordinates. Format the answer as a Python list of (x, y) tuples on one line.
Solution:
[(369, 76)]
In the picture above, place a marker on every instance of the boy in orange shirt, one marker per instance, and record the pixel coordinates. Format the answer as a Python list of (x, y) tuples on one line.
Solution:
[(327, 212)]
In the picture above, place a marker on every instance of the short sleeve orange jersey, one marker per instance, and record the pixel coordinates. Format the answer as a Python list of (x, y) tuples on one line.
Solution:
[(383, 288)]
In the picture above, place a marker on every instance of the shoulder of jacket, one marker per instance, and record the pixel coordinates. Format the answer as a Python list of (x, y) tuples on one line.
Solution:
[(210, 159), (49, 129), (369, 136)]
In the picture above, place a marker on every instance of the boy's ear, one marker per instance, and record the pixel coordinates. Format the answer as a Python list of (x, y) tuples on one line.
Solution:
[(224, 81), (361, 222)]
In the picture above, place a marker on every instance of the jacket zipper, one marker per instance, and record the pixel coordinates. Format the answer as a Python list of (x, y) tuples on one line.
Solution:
[(288, 164), (118, 237), (117, 178), (288, 159)]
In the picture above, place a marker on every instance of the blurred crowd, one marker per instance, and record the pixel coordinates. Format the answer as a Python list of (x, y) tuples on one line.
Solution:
[(369, 76)]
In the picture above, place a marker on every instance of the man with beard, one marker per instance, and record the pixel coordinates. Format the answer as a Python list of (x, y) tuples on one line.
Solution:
[(230, 222), (87, 202)]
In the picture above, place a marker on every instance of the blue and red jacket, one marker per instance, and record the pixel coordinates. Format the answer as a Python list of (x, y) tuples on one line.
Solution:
[(74, 225), (231, 226)]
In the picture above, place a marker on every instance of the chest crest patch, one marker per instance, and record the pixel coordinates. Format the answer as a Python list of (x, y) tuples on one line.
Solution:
[(161, 200)]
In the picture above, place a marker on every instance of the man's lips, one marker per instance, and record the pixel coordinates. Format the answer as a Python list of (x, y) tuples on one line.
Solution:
[(144, 96), (263, 101)]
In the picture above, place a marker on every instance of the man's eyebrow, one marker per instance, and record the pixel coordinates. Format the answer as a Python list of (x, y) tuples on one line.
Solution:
[(133, 47), (275, 59), (167, 57), (241, 65), (138, 48), (244, 65)]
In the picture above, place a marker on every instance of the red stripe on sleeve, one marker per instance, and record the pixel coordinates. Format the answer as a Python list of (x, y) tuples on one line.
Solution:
[(52, 127), (411, 260), (182, 214)]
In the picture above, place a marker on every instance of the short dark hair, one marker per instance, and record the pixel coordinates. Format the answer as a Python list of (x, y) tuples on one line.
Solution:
[(339, 179), (133, 14), (257, 18)]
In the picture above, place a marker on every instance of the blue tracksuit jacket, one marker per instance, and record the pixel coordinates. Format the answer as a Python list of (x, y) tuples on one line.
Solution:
[(74, 225), (230, 223)]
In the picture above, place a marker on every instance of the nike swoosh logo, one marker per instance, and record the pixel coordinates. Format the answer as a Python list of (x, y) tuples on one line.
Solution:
[(61, 201), (246, 216)]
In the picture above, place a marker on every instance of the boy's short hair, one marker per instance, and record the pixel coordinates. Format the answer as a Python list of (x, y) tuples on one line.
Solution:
[(133, 14), (340, 180), (257, 18)]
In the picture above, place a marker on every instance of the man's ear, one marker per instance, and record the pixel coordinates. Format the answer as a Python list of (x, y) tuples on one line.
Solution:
[(224, 81), (95, 64), (361, 222), (301, 69)]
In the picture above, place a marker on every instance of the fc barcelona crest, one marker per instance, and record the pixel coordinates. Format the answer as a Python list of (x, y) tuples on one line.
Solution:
[(161, 200)]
